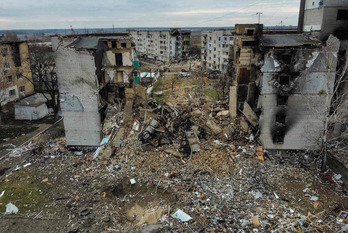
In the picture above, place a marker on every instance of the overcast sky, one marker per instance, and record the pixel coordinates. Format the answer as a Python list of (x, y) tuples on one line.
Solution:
[(44, 14)]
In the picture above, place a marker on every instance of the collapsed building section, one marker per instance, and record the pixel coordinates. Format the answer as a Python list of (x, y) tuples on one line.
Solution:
[(91, 70), (246, 57), (281, 84)]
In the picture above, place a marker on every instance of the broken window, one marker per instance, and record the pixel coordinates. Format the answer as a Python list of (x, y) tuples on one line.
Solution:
[(9, 79), (12, 92), (278, 137), (250, 43), (6, 65), (19, 76), (342, 14), (284, 79), (123, 45), (4, 52), (250, 32), (281, 118), (113, 44), (282, 100), (22, 88), (15, 55), (118, 57), (287, 58)]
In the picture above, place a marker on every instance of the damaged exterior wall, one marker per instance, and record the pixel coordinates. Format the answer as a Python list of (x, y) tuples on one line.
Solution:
[(294, 88), (86, 66), (15, 72)]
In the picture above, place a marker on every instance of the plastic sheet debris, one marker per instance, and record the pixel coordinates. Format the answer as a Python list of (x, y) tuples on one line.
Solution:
[(343, 216), (11, 209), (17, 152), (182, 216), (338, 177), (2, 194), (258, 195), (97, 152), (27, 165), (314, 198), (104, 141), (117, 168), (132, 181)]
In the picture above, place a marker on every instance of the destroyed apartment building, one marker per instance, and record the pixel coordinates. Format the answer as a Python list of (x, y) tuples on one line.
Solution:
[(15, 72), (91, 70), (281, 85)]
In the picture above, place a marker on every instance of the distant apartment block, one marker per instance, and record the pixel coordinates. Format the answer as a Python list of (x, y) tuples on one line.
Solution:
[(91, 69), (164, 45), (15, 73), (215, 47)]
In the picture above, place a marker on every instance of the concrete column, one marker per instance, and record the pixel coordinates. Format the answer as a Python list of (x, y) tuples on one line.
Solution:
[(233, 102)]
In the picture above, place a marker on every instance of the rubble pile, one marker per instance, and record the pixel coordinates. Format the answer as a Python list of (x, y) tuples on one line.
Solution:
[(182, 167)]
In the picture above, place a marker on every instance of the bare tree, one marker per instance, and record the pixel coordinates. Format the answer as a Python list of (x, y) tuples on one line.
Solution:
[(335, 111), (335, 98), (3, 94), (44, 79), (223, 83), (11, 36)]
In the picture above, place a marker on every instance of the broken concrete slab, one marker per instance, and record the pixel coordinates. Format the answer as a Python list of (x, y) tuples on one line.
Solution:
[(213, 127), (224, 113), (140, 91), (152, 228), (244, 125), (250, 114), (196, 112), (173, 152), (193, 141), (107, 153), (117, 141)]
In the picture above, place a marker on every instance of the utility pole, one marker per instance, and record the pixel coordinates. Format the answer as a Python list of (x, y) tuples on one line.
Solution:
[(259, 14), (113, 28), (281, 25)]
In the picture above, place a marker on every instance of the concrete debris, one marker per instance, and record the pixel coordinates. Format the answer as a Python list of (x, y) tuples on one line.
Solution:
[(250, 115), (213, 127)]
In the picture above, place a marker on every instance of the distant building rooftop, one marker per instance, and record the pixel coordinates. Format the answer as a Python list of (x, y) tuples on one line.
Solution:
[(33, 100), (288, 40)]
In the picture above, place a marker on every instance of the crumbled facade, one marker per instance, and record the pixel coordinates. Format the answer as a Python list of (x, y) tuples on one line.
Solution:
[(15, 73), (91, 70), (164, 45), (294, 86), (246, 58), (215, 47)]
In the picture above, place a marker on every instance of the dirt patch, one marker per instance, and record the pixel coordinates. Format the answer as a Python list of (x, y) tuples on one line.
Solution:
[(11, 131), (32, 225), (142, 204)]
